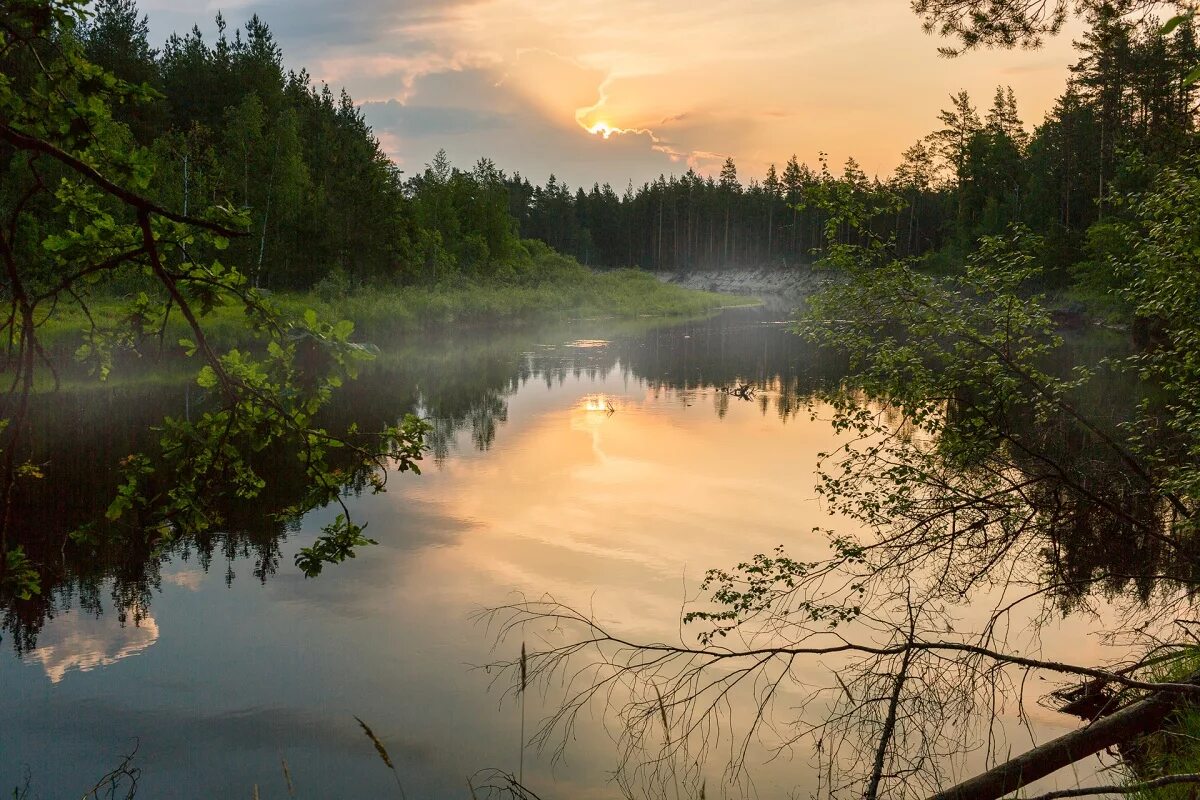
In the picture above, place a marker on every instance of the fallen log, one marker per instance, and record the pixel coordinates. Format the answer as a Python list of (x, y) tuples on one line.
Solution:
[(743, 390), (1136, 719)]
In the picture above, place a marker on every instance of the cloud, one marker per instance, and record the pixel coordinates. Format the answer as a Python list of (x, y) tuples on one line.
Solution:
[(675, 82), (77, 641), (189, 579), (484, 112)]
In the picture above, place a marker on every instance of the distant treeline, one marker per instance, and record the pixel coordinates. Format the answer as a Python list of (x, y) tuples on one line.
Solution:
[(233, 126), (1126, 112)]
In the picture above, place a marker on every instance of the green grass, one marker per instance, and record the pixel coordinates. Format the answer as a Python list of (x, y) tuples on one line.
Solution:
[(1175, 750), (624, 293), (385, 311)]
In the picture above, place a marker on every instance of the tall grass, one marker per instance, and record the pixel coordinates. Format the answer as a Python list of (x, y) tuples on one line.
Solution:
[(390, 310), (1174, 750)]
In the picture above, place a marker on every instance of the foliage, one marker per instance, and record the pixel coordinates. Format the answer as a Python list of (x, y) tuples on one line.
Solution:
[(1158, 277), (988, 23), (989, 501), (223, 123), (1172, 750), (80, 213)]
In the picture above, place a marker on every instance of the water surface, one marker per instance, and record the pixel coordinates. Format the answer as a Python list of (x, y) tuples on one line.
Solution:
[(597, 462)]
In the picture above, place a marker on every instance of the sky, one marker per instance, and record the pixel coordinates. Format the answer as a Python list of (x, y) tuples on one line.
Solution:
[(624, 90)]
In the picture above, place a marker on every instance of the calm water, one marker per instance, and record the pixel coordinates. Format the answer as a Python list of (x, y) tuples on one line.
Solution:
[(596, 462)]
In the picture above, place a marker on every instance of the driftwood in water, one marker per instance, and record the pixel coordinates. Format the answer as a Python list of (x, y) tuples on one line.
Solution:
[(1136, 719), (1088, 701), (743, 390)]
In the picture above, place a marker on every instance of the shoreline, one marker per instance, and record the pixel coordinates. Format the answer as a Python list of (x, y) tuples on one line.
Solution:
[(796, 283)]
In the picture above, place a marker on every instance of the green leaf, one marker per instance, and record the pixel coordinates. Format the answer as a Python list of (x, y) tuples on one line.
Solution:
[(117, 507), (1174, 22), (207, 378), (1192, 76), (56, 243)]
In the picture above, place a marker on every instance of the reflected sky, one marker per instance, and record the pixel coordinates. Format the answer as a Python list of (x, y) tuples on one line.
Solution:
[(606, 490), (78, 641)]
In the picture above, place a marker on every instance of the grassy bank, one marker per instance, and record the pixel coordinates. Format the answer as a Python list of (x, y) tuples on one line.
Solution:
[(1174, 750), (624, 293), (380, 311)]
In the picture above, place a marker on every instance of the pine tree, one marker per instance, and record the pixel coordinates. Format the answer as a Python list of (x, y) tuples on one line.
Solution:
[(953, 141), (914, 178), (772, 188), (1103, 77), (730, 188)]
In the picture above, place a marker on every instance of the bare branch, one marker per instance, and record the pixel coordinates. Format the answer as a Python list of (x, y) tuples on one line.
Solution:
[(1129, 788)]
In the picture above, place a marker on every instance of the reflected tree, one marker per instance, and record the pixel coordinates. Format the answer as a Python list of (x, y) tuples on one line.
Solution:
[(460, 386), (77, 218), (990, 503)]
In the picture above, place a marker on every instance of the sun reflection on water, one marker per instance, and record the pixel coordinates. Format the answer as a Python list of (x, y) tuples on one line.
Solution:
[(598, 403)]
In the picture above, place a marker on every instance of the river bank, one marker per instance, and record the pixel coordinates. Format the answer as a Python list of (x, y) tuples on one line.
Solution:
[(789, 284), (1070, 309), (389, 310)]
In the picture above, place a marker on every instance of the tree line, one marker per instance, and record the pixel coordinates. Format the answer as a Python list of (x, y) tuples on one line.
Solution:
[(226, 123), (1126, 112), (231, 125)]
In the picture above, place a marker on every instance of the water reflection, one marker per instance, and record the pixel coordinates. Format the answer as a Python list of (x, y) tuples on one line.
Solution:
[(78, 641), (602, 463)]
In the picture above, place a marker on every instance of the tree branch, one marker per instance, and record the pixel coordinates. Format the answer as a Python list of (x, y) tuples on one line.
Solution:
[(24, 141)]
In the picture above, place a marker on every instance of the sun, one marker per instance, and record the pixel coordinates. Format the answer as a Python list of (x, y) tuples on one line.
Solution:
[(603, 129)]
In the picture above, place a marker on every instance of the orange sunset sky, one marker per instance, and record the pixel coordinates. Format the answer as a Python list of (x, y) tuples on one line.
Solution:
[(537, 84)]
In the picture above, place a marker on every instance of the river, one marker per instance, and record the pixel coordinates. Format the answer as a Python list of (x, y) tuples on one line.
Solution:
[(597, 461)]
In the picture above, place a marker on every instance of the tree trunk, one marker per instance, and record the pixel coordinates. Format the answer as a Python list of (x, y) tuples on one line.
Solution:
[(1139, 718)]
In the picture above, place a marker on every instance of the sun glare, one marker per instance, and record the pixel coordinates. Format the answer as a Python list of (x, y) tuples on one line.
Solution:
[(598, 403), (603, 129)]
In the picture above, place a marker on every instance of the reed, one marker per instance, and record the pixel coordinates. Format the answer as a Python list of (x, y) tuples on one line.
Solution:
[(287, 778), (524, 681), (383, 754)]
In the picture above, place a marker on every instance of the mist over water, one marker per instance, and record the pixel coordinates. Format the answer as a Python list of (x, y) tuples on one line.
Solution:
[(599, 462)]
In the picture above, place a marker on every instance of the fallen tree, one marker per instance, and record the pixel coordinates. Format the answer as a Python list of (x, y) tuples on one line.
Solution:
[(1119, 728)]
